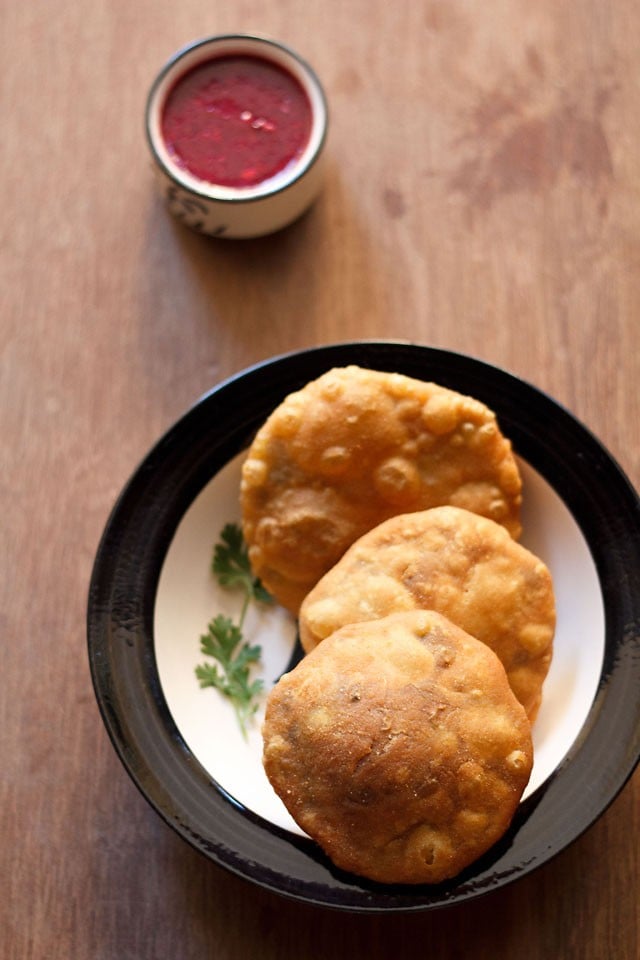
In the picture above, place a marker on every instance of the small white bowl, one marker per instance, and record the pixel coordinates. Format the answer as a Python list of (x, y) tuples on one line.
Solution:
[(230, 211)]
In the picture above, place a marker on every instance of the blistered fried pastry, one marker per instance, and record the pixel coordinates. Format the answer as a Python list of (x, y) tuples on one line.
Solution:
[(464, 566), (399, 747), (353, 448)]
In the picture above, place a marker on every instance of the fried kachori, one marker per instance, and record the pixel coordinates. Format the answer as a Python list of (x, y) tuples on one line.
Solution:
[(399, 747), (351, 449), (462, 565)]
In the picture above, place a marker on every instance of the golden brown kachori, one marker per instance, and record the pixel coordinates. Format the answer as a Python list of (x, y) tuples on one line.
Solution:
[(351, 449), (398, 746), (464, 566)]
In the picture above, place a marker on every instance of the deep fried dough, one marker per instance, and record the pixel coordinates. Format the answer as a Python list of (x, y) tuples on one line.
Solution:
[(399, 747), (353, 448), (464, 566)]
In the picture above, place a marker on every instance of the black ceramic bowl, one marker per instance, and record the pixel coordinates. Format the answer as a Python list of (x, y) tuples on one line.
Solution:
[(152, 594)]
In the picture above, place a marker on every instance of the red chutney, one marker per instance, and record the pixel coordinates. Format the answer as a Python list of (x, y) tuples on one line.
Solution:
[(236, 120)]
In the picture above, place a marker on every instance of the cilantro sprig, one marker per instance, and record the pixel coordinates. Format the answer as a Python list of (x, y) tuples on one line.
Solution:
[(224, 641), (231, 567)]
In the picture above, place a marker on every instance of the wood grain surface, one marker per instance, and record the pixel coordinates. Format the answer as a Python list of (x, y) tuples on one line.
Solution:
[(482, 195)]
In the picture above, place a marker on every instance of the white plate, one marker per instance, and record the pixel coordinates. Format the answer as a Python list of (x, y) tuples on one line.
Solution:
[(188, 598)]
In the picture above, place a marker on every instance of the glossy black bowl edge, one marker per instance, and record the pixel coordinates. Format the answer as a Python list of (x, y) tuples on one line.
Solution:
[(268, 385)]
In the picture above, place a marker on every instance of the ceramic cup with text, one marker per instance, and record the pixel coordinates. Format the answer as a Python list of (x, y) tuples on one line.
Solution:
[(235, 210)]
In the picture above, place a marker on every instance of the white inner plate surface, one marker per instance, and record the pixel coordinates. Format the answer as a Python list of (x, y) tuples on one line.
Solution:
[(188, 597)]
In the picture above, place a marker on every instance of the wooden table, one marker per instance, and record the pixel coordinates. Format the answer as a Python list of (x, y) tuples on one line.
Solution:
[(482, 196)]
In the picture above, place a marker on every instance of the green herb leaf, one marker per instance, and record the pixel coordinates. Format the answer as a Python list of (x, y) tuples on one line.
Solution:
[(224, 641), (231, 565), (231, 675)]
